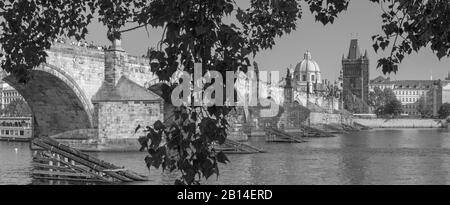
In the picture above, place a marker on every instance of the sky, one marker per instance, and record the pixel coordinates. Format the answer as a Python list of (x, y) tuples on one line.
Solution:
[(327, 44)]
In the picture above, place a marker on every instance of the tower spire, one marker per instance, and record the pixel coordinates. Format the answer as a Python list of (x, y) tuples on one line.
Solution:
[(354, 52)]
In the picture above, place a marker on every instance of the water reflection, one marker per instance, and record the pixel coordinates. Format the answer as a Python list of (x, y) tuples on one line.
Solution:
[(409, 156), (15, 164)]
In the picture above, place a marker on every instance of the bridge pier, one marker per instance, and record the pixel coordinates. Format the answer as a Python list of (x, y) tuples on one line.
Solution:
[(120, 105)]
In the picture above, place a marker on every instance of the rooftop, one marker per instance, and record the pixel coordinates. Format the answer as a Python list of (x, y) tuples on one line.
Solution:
[(405, 84), (125, 90)]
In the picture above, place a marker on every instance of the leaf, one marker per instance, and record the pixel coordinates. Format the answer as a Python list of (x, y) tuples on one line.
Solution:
[(158, 125), (137, 128), (143, 141), (222, 158), (148, 161), (375, 47)]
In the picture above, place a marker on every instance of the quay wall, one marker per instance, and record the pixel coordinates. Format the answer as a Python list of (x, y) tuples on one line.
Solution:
[(316, 118), (400, 123)]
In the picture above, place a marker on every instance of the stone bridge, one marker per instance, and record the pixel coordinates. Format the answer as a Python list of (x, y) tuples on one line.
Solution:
[(93, 91)]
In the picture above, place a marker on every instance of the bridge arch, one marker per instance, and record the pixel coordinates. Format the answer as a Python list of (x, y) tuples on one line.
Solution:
[(57, 102)]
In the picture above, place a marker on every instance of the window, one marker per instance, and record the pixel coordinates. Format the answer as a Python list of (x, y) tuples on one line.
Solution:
[(304, 78), (313, 78), (22, 133)]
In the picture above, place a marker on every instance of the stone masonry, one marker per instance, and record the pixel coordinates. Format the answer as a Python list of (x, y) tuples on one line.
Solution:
[(83, 90)]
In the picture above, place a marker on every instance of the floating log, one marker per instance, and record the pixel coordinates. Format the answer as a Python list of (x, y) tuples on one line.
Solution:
[(275, 135), (234, 147), (77, 159), (68, 179), (313, 132), (333, 128), (350, 128), (48, 167), (361, 126), (246, 146), (44, 160), (106, 165), (64, 174), (80, 169)]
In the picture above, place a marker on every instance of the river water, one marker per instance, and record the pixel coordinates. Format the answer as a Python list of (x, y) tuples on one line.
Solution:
[(380, 156)]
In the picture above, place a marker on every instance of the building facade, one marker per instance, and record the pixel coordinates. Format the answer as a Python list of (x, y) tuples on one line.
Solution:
[(446, 89), (8, 94), (415, 95), (355, 68)]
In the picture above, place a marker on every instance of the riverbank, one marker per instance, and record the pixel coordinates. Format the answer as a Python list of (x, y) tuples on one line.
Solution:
[(399, 123)]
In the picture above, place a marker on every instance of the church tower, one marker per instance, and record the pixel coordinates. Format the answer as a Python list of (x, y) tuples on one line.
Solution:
[(355, 70)]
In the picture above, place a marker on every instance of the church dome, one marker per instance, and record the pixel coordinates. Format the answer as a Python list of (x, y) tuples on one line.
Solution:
[(307, 64)]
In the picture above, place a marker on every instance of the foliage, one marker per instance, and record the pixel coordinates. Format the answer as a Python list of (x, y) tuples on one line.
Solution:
[(384, 102), (444, 110), (197, 31), (180, 146), (377, 100), (17, 108), (354, 104), (410, 26), (29, 27), (393, 108), (423, 108)]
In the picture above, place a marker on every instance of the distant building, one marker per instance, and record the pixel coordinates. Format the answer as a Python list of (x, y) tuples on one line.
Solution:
[(307, 75), (446, 90), (303, 86), (340, 81), (8, 94), (411, 92), (355, 68), (382, 83)]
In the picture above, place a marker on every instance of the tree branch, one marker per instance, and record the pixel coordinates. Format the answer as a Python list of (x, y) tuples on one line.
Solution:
[(134, 28)]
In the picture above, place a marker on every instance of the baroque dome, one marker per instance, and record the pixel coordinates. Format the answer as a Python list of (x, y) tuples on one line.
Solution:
[(307, 64)]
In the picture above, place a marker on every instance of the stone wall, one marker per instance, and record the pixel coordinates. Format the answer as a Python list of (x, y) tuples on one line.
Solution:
[(316, 118), (326, 103), (118, 120), (81, 134), (87, 66), (399, 123)]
